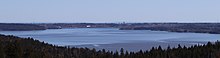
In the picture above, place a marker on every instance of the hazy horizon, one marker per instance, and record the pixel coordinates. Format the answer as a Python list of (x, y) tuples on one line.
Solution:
[(109, 11)]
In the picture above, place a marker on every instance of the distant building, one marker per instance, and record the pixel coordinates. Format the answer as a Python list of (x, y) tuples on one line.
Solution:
[(88, 26)]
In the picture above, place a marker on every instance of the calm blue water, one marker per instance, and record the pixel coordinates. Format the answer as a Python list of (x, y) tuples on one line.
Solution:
[(82, 36)]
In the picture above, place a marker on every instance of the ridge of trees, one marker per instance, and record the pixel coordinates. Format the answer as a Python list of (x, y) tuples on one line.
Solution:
[(16, 47), (20, 27)]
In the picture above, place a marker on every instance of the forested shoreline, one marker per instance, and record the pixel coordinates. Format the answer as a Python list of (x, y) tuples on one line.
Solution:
[(212, 28), (20, 27), (16, 47)]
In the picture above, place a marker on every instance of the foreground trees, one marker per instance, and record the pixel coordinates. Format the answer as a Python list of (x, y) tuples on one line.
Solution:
[(16, 47)]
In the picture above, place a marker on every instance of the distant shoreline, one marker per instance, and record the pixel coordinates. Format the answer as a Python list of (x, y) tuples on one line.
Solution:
[(20, 27), (174, 31), (211, 28)]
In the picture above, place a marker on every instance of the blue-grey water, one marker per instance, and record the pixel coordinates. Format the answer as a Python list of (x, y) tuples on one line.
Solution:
[(109, 36)]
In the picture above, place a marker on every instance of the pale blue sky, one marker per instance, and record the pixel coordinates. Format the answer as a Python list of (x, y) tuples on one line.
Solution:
[(72, 11)]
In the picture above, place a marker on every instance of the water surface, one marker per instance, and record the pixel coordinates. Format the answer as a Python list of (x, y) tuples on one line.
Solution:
[(107, 36)]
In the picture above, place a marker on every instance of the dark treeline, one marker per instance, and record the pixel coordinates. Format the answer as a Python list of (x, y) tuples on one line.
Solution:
[(20, 27), (16, 47), (213, 28)]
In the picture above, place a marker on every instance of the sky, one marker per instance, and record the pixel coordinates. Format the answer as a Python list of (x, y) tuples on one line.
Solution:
[(108, 11)]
